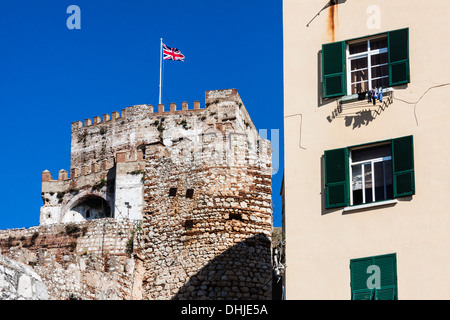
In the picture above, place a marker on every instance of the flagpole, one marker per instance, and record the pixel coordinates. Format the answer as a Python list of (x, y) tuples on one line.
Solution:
[(160, 70)]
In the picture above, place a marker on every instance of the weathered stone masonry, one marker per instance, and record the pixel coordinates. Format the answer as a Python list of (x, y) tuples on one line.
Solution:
[(224, 228), (193, 185), (84, 260)]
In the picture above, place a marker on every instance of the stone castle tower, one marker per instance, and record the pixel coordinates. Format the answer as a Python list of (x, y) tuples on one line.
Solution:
[(199, 182)]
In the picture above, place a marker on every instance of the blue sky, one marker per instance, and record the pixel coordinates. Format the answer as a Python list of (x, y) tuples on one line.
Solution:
[(51, 76)]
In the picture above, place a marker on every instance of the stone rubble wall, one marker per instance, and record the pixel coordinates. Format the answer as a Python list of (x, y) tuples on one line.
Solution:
[(20, 282), (91, 260), (215, 245)]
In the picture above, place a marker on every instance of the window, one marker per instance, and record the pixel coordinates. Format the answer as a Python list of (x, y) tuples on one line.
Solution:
[(172, 192), (367, 63), (188, 224), (189, 193), (369, 173), (374, 278), (141, 152), (235, 216), (358, 65)]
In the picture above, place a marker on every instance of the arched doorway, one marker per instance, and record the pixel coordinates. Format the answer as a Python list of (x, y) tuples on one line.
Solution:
[(87, 208)]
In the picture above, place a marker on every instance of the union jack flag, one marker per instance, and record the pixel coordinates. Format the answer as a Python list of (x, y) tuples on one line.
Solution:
[(172, 53)]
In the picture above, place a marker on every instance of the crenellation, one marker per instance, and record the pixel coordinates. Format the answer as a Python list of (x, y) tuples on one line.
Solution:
[(87, 122), (106, 118), (46, 176), (115, 115), (94, 167), (97, 120), (121, 157), (84, 170), (62, 175), (139, 111)]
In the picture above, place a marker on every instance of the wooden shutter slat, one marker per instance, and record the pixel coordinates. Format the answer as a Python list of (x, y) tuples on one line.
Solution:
[(398, 56), (336, 178), (387, 290), (333, 70), (359, 275), (403, 166)]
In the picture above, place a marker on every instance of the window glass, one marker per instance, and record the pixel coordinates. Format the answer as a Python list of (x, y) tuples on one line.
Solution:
[(357, 184), (368, 65), (380, 71), (360, 87), (357, 64), (358, 47), (370, 153), (358, 76), (381, 82), (379, 59), (383, 178), (378, 43), (371, 174), (368, 182)]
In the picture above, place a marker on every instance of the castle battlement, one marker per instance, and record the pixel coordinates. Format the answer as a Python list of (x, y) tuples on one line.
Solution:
[(110, 154), (144, 109)]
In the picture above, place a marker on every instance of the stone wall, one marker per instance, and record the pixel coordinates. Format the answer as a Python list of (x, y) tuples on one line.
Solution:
[(89, 260), (20, 282), (207, 222)]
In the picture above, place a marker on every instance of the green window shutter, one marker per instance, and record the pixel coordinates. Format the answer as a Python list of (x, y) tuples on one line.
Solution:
[(359, 277), (388, 268), (336, 178), (386, 293), (362, 295), (398, 56), (333, 69), (403, 166)]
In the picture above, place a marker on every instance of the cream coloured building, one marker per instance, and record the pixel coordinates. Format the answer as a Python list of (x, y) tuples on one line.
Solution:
[(367, 183)]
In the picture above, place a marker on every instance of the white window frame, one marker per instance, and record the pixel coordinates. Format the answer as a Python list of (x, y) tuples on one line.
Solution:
[(366, 54), (372, 168)]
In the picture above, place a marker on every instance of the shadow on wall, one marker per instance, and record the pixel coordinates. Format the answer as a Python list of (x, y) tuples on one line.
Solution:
[(242, 272)]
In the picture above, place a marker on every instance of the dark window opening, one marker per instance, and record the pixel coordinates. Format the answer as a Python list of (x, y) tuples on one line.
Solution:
[(188, 224), (88, 213), (172, 192), (189, 193), (235, 216)]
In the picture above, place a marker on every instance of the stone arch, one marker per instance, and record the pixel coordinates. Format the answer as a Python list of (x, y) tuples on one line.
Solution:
[(86, 206)]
